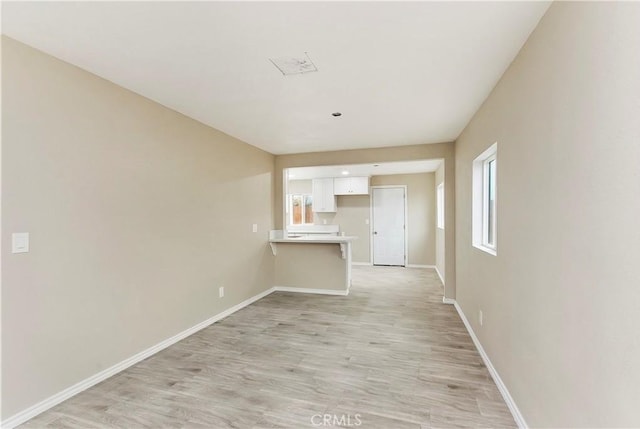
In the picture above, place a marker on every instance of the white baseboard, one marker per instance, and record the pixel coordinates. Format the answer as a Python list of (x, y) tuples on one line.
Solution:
[(67, 393), (517, 416), (446, 300), (307, 290), (439, 275), (419, 266), (368, 264)]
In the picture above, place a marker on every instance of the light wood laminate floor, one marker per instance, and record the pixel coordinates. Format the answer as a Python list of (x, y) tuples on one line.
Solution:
[(390, 355)]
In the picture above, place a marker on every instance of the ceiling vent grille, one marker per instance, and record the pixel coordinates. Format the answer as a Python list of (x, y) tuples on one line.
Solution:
[(294, 65)]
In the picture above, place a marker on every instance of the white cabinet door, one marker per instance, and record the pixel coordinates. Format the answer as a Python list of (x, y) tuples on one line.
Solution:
[(318, 195), (323, 198), (330, 200), (360, 185), (341, 185), (351, 185)]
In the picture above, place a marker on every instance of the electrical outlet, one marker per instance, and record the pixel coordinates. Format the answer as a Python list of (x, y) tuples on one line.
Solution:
[(366, 221), (255, 227), (221, 291), (480, 317)]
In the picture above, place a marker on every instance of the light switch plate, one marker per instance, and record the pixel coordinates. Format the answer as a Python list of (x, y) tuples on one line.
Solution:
[(221, 291), (20, 242), (255, 227)]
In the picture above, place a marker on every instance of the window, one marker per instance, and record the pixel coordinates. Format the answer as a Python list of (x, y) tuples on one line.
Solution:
[(440, 206), (489, 203), (484, 219), (300, 209)]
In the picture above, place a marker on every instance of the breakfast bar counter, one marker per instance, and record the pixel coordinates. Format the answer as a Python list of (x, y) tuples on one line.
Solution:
[(312, 263)]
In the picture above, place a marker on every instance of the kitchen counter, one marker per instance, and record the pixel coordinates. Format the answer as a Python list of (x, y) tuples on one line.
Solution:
[(279, 237), (311, 262), (313, 238)]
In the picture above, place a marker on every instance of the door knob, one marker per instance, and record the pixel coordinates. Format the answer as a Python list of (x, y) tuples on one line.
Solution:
[(375, 232)]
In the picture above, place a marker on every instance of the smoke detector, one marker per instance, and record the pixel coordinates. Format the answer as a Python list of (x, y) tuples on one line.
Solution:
[(294, 65)]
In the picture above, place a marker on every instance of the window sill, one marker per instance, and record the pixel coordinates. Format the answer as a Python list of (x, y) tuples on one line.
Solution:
[(486, 249)]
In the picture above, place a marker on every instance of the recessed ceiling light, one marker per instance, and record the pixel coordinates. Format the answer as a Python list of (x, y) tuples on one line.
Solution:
[(345, 172), (336, 114)]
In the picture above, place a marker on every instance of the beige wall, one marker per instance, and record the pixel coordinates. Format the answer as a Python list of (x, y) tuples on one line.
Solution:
[(443, 151), (353, 211), (440, 253), (300, 187), (561, 299), (311, 266), (136, 213)]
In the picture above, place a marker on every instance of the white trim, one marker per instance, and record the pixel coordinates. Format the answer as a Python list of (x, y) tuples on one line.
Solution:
[(440, 205), (439, 275), (486, 249), (517, 416), (450, 301), (479, 207), (67, 393), (420, 266), (362, 263), (371, 225), (308, 290), (486, 187), (285, 192), (406, 220)]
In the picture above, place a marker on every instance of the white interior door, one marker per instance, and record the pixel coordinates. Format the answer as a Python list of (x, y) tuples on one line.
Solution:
[(388, 218)]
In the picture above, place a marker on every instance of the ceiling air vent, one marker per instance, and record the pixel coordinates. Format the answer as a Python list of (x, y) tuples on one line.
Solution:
[(294, 65)]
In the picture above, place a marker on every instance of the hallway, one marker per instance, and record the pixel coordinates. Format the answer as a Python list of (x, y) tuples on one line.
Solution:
[(389, 355)]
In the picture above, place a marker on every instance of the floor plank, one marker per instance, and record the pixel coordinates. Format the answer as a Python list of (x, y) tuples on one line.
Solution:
[(389, 355)]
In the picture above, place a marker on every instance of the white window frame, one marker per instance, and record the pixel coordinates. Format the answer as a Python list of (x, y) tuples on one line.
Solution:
[(290, 208), (488, 242), (480, 203), (440, 206)]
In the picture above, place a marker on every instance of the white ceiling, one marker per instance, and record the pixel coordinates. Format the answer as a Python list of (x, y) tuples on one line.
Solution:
[(355, 170), (400, 72)]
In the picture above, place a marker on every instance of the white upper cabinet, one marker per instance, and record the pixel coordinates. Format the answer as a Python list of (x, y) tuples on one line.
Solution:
[(324, 199), (351, 185)]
